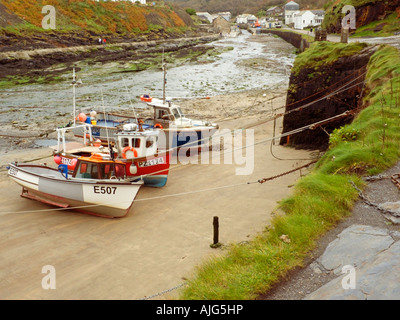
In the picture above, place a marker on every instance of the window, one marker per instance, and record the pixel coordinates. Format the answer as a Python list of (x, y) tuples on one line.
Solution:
[(135, 143), (119, 170), (108, 170), (176, 113), (161, 114), (94, 171), (83, 168), (86, 171), (149, 142), (125, 142)]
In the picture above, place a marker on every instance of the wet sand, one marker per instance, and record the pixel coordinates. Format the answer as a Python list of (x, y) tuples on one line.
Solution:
[(160, 242)]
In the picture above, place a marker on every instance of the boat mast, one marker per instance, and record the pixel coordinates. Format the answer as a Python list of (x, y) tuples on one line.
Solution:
[(74, 84), (73, 90), (164, 67)]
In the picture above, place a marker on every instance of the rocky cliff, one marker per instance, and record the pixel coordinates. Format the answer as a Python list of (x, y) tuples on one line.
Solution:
[(326, 81)]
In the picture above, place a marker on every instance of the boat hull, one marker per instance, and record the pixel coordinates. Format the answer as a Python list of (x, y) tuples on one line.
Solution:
[(101, 198), (152, 170)]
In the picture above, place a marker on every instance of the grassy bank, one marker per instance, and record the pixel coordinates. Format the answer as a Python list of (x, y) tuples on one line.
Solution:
[(369, 145), (323, 53), (381, 28)]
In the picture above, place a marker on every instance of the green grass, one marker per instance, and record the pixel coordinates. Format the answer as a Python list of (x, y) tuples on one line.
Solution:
[(391, 25), (322, 53), (319, 200), (13, 81), (334, 14)]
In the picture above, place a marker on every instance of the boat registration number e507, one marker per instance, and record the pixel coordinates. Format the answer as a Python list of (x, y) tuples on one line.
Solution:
[(104, 190)]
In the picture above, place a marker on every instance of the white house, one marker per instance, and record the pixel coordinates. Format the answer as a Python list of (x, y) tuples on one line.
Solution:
[(307, 18), (290, 9), (319, 17)]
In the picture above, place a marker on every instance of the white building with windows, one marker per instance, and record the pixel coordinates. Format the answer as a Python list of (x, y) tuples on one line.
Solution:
[(308, 19), (290, 9)]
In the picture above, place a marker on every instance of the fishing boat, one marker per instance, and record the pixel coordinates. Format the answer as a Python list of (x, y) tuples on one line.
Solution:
[(134, 146), (179, 130), (97, 186)]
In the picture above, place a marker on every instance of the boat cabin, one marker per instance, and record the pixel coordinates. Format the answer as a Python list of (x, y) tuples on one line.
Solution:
[(141, 143), (95, 167), (164, 113)]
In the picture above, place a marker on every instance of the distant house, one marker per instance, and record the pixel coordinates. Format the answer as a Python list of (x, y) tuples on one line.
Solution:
[(290, 9), (246, 19), (274, 11), (226, 15), (205, 16), (221, 25)]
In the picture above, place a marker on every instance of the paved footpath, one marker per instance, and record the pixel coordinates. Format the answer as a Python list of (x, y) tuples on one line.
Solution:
[(392, 40), (365, 256), (367, 262)]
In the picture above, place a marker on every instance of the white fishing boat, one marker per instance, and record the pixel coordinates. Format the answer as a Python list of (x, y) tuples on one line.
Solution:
[(97, 186), (179, 130)]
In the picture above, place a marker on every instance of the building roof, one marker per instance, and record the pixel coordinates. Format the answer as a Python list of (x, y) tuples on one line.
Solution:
[(318, 12), (273, 8), (292, 6)]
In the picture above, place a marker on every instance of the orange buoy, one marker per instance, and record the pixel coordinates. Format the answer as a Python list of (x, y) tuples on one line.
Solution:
[(146, 98), (82, 117), (158, 126), (97, 143), (127, 150)]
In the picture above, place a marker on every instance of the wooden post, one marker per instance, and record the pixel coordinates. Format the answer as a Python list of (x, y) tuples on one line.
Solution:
[(216, 230), (317, 35), (345, 35), (324, 35), (216, 243)]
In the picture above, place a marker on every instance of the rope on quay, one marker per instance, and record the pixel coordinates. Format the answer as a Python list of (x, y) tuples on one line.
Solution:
[(260, 181), (163, 292)]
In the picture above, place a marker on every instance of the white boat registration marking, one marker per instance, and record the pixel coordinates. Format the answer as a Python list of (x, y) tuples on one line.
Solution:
[(152, 162), (12, 171), (66, 161)]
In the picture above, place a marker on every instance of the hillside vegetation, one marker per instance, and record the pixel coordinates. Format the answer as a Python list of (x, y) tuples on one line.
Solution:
[(103, 17), (373, 17)]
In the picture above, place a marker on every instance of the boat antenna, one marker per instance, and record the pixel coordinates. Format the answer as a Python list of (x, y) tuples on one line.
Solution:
[(164, 67), (105, 120), (74, 84), (130, 101)]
